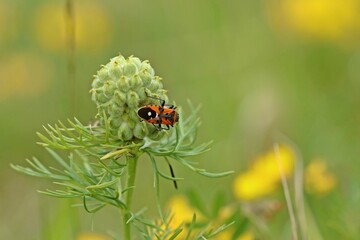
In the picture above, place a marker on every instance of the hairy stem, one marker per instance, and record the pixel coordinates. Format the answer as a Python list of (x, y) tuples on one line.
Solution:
[(132, 163)]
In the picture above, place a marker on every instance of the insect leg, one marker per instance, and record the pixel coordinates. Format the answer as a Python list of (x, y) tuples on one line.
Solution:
[(162, 102), (172, 173), (159, 122)]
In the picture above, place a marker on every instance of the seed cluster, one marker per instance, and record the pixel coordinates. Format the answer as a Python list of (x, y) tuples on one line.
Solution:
[(119, 88)]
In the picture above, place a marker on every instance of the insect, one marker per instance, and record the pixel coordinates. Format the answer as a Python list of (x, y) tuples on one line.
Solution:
[(159, 115)]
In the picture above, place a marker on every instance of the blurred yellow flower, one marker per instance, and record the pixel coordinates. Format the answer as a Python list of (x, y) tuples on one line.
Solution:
[(91, 236), (228, 235), (224, 214), (92, 26), (181, 213), (23, 74), (8, 21), (317, 178), (248, 235), (320, 19), (224, 235), (181, 210), (263, 176)]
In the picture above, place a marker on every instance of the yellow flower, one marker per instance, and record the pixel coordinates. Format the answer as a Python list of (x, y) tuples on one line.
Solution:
[(228, 235), (250, 185), (91, 236), (263, 176), (267, 164), (23, 74), (224, 214), (181, 210), (224, 235), (181, 213), (317, 178), (248, 235), (9, 21), (92, 26), (319, 19)]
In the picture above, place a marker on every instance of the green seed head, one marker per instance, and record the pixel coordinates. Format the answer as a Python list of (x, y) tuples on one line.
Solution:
[(119, 89)]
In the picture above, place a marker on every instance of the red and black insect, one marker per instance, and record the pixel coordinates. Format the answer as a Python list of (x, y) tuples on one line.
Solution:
[(159, 115)]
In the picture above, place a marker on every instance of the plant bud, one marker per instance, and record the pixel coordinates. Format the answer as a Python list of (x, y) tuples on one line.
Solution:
[(119, 89)]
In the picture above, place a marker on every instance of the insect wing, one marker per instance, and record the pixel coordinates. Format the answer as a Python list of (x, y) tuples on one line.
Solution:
[(147, 113)]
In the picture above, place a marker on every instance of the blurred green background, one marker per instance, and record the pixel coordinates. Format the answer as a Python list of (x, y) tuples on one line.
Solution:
[(260, 69)]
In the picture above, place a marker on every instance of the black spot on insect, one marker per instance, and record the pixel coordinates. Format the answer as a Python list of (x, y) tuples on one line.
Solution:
[(146, 113)]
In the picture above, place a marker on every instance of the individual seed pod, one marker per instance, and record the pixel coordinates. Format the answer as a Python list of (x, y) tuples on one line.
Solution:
[(140, 130), (146, 77), (129, 69), (116, 70), (125, 132), (123, 84), (97, 83), (103, 74), (132, 99), (109, 88), (119, 98), (135, 82)]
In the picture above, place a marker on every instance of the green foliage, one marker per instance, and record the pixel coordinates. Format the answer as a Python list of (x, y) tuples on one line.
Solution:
[(194, 230), (99, 169)]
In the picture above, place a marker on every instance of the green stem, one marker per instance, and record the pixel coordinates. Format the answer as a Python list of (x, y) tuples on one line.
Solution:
[(132, 163)]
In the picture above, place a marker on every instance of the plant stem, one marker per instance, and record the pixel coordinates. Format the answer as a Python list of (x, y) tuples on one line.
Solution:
[(287, 194), (71, 47), (132, 163)]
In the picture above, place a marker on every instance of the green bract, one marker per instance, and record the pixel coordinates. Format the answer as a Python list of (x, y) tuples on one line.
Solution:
[(119, 89)]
